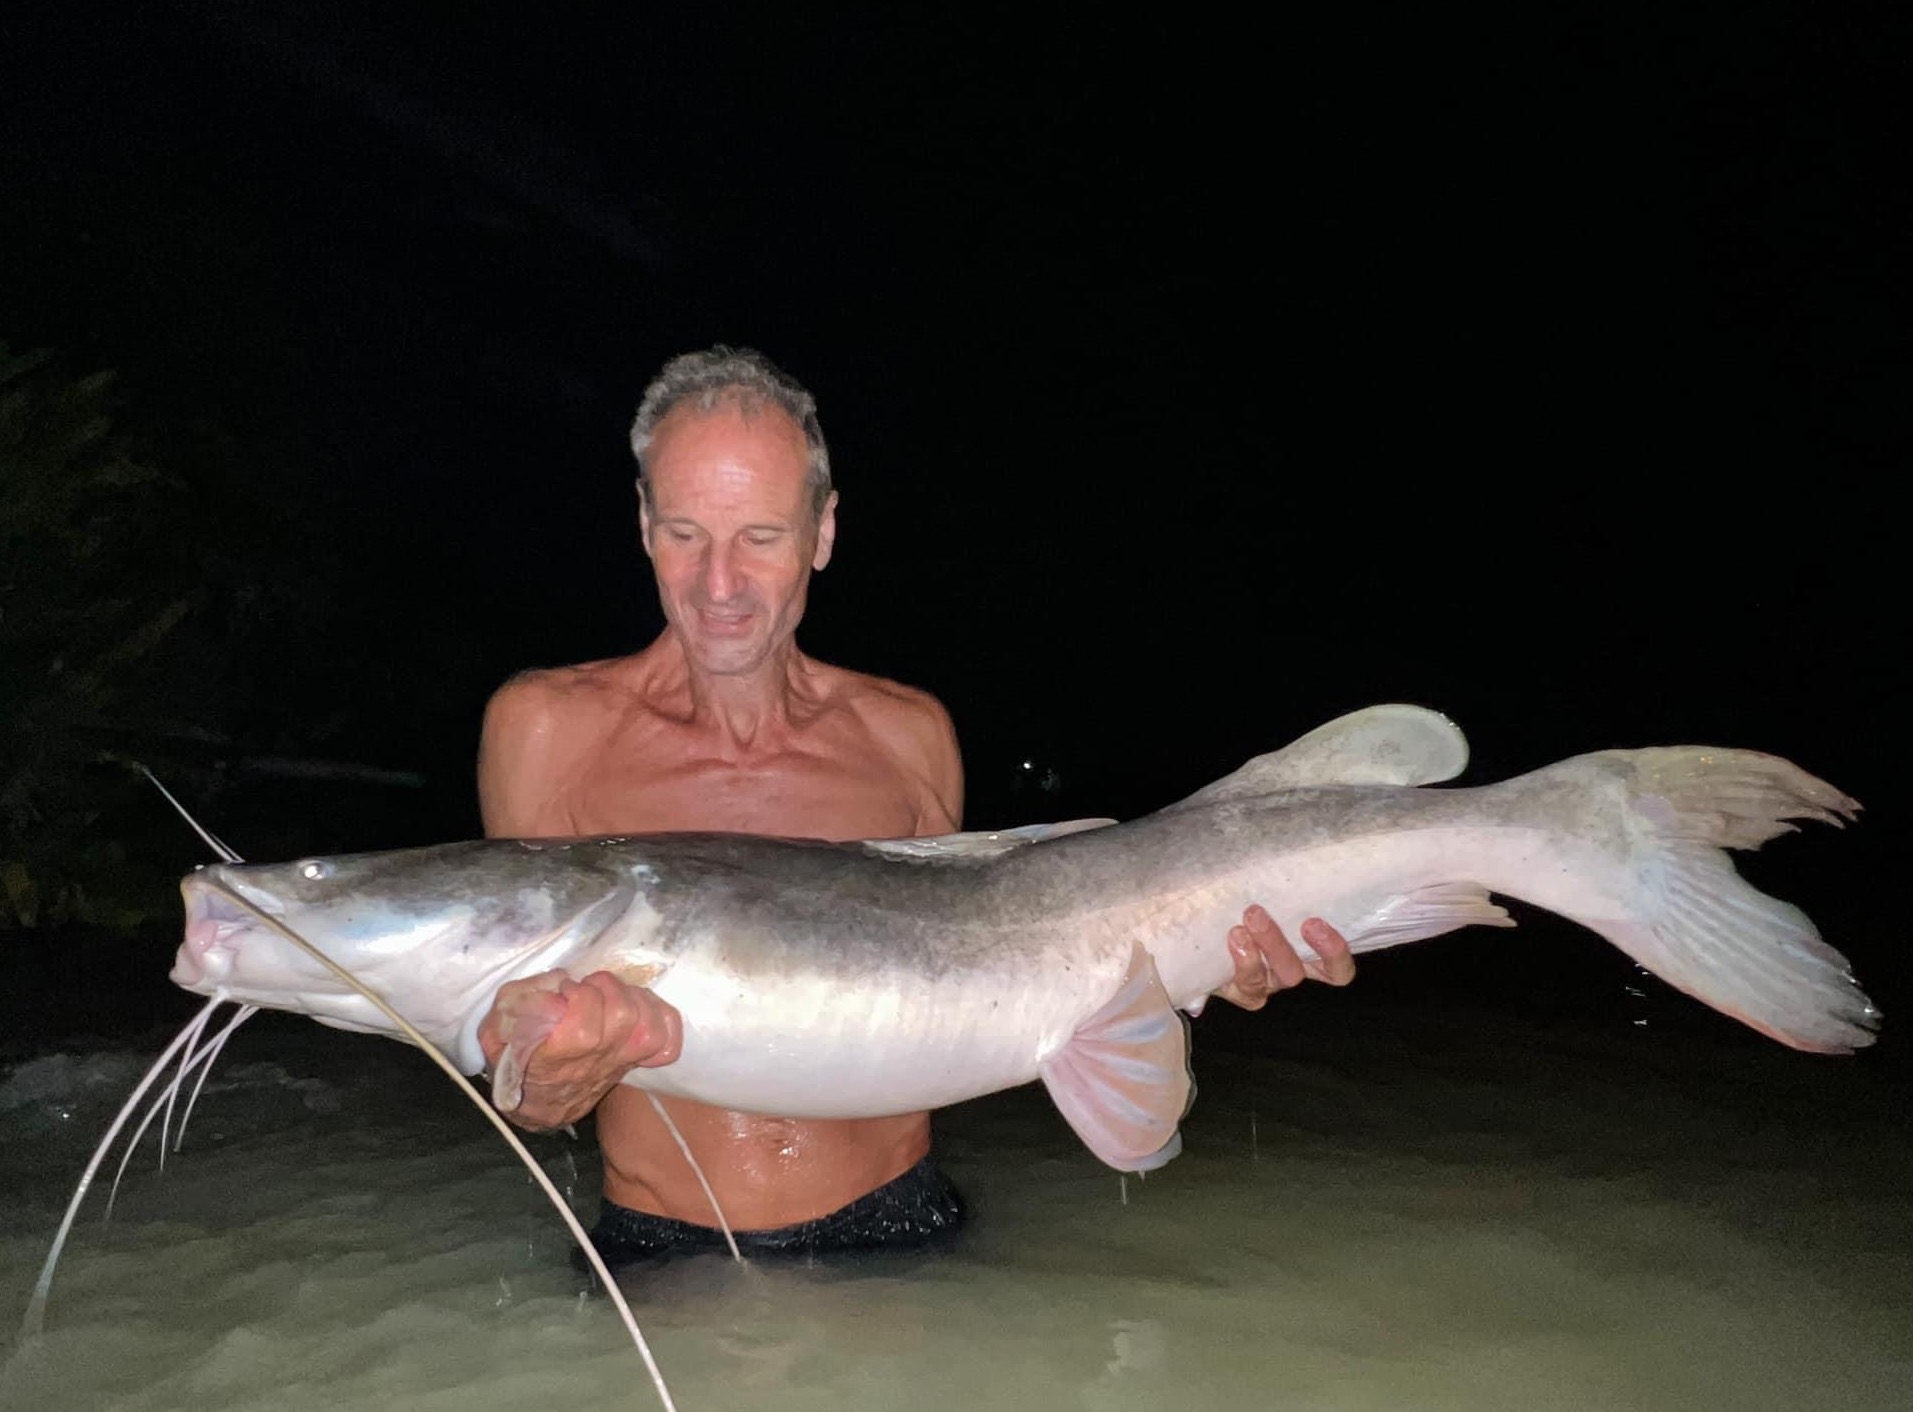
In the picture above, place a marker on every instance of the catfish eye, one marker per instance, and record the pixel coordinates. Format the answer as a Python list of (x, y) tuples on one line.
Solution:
[(314, 869)]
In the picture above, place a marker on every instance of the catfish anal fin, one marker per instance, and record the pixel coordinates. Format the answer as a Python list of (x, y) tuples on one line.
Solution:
[(1428, 911)]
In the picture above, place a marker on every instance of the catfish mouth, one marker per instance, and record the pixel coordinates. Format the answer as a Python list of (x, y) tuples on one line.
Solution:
[(220, 926), (214, 922)]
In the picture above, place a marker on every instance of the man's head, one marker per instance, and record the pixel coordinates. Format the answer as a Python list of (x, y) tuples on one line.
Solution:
[(735, 504), (733, 377)]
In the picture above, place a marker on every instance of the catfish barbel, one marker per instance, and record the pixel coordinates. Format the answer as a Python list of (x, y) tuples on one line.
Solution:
[(839, 980)]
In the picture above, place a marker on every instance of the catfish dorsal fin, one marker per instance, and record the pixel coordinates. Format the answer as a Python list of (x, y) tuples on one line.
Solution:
[(955, 847), (1384, 745)]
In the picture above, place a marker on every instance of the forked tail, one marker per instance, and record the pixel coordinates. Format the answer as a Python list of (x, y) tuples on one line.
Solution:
[(1700, 926)]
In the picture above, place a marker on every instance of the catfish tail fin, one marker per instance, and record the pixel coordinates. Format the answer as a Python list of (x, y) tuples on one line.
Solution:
[(1704, 929)]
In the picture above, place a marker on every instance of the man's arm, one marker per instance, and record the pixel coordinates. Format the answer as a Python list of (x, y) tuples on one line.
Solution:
[(942, 771), (917, 732), (517, 750)]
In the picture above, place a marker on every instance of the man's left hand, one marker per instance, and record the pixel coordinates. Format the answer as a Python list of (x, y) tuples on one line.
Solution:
[(1265, 962)]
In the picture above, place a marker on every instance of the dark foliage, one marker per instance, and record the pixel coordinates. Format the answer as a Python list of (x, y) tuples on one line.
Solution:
[(124, 629)]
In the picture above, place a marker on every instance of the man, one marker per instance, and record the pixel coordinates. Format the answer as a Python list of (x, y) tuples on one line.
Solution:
[(723, 724)]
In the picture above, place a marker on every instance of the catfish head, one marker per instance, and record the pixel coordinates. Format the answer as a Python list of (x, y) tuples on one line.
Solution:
[(434, 931)]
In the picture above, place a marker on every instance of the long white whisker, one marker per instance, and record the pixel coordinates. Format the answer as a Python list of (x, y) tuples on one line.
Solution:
[(227, 854), (698, 1172), (34, 1321), (166, 1119), (244, 1013), (207, 836), (538, 1173), (193, 1054), (202, 1059)]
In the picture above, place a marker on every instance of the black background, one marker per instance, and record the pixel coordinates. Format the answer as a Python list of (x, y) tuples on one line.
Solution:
[(1189, 380)]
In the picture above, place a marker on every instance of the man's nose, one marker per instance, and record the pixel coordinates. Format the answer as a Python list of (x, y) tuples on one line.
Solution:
[(720, 575)]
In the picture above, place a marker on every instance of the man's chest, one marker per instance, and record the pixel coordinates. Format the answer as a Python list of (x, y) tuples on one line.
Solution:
[(792, 793)]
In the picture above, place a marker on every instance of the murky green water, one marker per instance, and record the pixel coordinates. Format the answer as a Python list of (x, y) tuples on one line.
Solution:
[(1412, 1210)]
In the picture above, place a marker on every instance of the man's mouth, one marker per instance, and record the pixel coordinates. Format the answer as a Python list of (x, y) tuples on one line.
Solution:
[(725, 624)]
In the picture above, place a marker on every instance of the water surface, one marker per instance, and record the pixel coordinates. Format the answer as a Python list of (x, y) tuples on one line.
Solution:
[(1394, 1206)]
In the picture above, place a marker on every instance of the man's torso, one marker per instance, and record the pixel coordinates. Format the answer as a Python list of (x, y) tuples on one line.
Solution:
[(622, 755)]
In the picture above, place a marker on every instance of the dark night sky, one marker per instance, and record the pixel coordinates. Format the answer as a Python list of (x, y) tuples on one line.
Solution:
[(1187, 383)]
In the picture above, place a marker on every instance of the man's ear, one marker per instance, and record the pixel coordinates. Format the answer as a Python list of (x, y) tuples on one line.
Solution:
[(644, 519), (826, 532)]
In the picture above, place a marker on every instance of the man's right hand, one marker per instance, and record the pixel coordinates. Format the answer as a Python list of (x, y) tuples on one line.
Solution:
[(571, 1041)]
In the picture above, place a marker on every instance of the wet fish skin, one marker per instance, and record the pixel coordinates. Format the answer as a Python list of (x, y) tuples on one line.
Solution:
[(857, 979)]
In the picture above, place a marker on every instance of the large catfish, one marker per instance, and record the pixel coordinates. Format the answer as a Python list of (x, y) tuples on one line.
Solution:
[(823, 980)]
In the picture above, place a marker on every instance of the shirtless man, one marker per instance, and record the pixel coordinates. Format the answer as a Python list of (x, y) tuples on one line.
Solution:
[(723, 724)]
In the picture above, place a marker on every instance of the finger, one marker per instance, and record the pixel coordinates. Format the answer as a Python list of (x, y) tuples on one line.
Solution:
[(1284, 966), (1251, 961), (1246, 999), (626, 1025), (665, 1036), (533, 1005), (1249, 987), (634, 1026), (1335, 962), (514, 996), (581, 1030)]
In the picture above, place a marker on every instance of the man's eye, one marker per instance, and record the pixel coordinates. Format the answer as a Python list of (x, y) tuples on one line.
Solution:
[(763, 539)]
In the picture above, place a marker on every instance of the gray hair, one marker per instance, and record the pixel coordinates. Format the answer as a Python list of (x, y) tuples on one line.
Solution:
[(743, 378)]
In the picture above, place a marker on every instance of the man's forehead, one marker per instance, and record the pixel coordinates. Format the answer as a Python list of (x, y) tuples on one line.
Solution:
[(767, 433), (760, 457)]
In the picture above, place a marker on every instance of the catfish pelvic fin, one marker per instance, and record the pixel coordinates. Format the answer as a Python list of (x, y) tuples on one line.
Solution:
[(1123, 1080)]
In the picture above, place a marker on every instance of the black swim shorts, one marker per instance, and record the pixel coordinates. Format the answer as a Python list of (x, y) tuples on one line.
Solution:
[(918, 1209)]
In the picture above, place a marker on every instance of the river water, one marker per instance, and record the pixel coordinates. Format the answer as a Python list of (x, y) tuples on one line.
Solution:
[(1391, 1205)]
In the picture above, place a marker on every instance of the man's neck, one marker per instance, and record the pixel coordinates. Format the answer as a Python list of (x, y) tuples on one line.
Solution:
[(740, 709)]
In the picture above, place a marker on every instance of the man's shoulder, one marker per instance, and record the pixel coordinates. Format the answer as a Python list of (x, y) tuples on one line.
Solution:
[(884, 703), (542, 695), (914, 728)]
